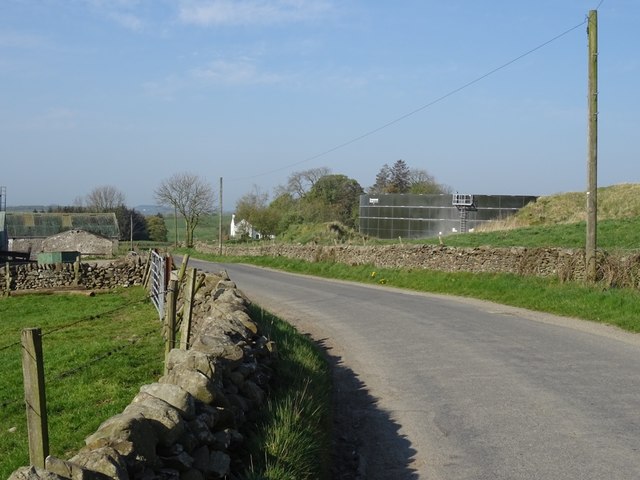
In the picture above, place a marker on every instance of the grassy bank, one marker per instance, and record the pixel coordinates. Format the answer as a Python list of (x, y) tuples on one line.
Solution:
[(613, 234), (97, 352)]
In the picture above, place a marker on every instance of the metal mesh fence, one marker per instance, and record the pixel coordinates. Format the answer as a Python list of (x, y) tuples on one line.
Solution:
[(418, 216)]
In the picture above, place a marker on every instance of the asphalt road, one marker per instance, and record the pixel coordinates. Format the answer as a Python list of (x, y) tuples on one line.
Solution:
[(462, 389)]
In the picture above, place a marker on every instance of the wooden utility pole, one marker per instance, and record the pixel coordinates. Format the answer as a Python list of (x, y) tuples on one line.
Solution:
[(175, 222), (34, 396), (592, 154), (220, 222)]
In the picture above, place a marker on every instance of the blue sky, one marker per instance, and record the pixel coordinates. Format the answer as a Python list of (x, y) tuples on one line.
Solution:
[(129, 92)]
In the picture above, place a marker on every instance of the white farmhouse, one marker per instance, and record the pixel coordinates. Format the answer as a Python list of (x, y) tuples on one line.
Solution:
[(241, 228)]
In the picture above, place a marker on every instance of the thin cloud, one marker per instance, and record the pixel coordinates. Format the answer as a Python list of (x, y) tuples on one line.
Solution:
[(250, 12), (240, 72), (128, 21), (236, 72), (119, 11)]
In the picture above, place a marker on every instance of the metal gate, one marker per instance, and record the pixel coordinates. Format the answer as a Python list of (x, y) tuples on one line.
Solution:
[(158, 281)]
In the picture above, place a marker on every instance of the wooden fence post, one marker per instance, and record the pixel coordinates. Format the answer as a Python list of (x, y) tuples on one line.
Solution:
[(34, 395), (7, 277), (147, 271), (189, 292), (170, 320), (183, 267), (76, 271)]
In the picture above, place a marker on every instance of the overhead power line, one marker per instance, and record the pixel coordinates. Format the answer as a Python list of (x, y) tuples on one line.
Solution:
[(421, 108)]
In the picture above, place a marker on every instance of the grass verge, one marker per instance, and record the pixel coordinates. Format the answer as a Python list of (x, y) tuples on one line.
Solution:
[(97, 352), (291, 439), (619, 307)]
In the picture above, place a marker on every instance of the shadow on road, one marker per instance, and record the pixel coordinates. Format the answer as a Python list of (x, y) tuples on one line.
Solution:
[(367, 443)]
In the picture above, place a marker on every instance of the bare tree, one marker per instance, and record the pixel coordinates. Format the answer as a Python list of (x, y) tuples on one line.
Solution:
[(299, 183), (79, 201), (105, 198), (189, 195), (421, 181)]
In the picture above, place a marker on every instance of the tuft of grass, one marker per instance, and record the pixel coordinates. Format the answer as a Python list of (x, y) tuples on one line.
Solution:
[(97, 352), (291, 439)]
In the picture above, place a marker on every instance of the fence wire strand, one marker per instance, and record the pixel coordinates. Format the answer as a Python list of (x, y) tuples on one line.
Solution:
[(109, 353)]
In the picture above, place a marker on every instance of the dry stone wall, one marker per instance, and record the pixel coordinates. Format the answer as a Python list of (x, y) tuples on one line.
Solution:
[(545, 262), (186, 425), (122, 273), (619, 270)]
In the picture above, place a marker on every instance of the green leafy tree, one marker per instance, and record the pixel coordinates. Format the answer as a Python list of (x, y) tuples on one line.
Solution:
[(334, 197), (287, 209), (382, 181), (157, 228), (399, 178), (254, 208)]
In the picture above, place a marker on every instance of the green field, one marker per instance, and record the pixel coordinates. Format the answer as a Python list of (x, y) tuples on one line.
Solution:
[(206, 231), (98, 351)]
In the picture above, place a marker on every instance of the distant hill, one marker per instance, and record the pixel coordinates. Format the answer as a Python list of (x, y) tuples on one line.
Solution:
[(29, 208), (148, 210), (144, 209)]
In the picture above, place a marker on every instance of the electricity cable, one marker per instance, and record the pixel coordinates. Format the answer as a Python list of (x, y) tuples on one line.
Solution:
[(421, 108)]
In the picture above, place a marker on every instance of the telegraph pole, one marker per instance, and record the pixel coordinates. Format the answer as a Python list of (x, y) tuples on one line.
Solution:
[(592, 154), (175, 221), (220, 222)]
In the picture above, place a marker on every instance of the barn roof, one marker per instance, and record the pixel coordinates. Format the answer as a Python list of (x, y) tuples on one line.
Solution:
[(42, 225)]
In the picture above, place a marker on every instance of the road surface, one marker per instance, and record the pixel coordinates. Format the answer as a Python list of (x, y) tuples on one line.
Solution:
[(448, 388)]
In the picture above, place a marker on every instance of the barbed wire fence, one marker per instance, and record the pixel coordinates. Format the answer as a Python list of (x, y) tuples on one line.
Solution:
[(9, 405)]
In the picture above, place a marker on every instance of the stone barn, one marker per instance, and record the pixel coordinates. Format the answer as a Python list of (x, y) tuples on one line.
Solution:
[(87, 243), (91, 234)]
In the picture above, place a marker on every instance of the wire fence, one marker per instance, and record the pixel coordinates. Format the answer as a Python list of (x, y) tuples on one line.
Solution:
[(87, 374), (10, 402)]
